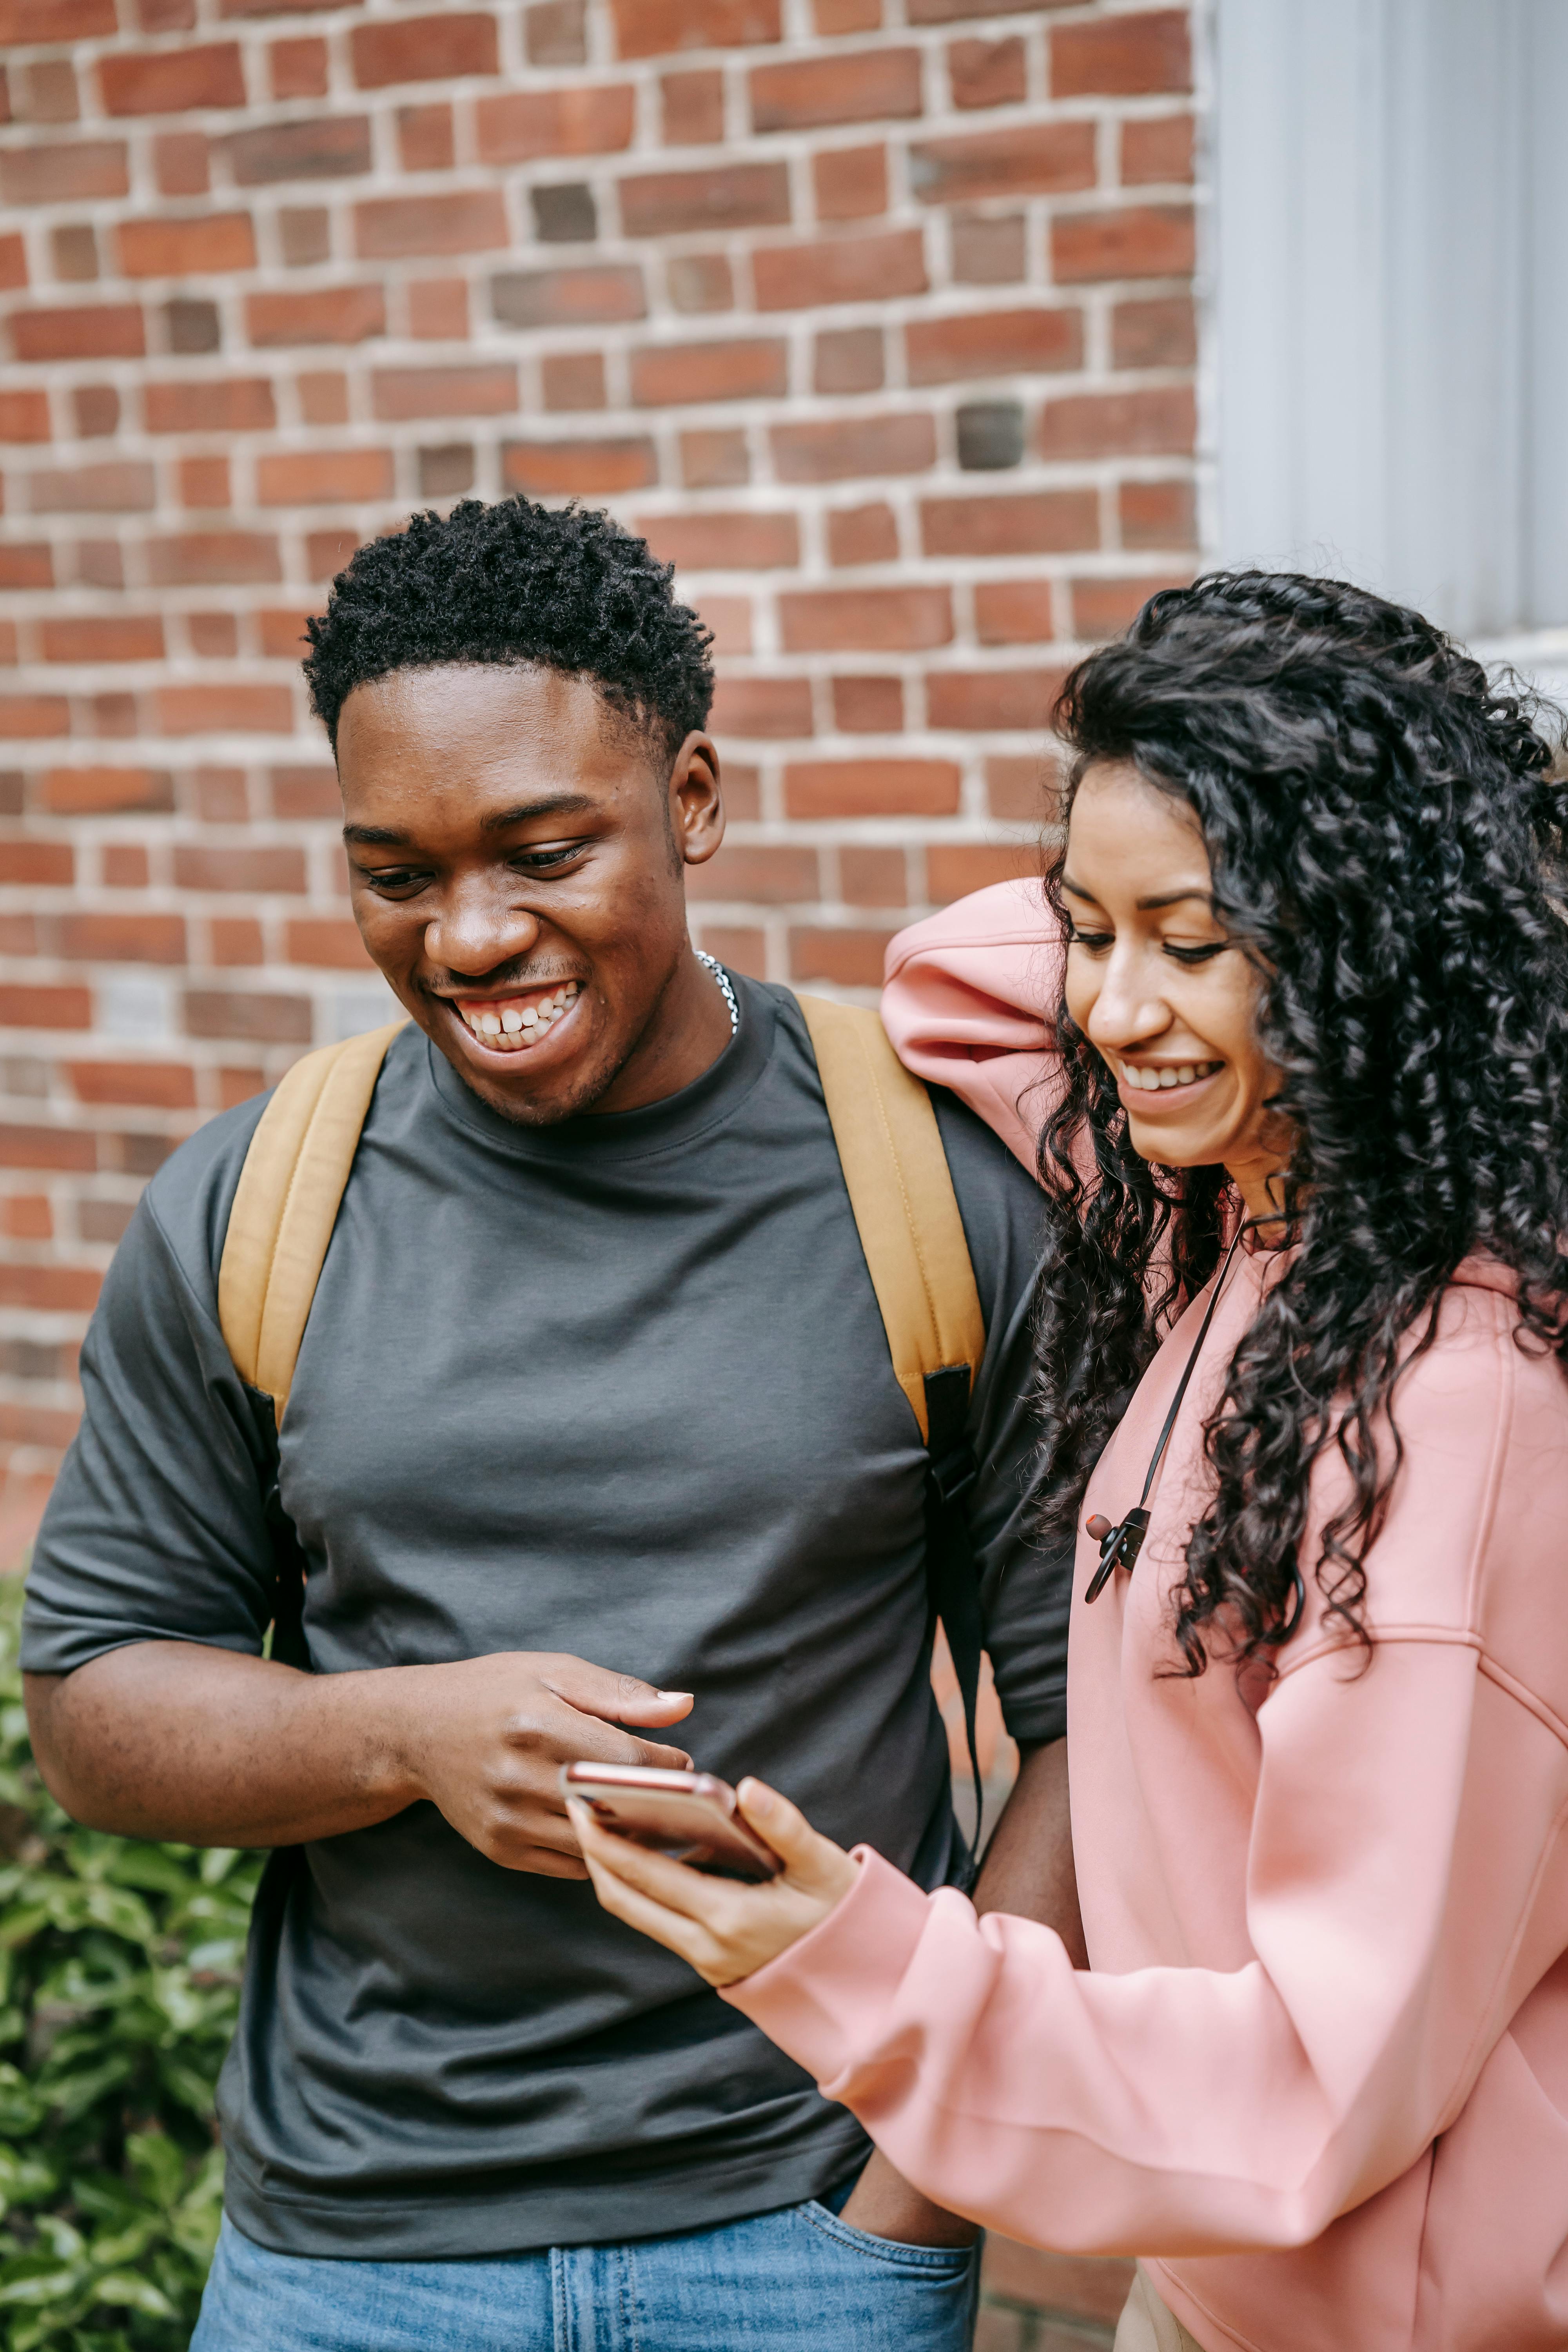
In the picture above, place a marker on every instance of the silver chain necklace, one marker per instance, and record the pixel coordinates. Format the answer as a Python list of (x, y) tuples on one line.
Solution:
[(723, 977)]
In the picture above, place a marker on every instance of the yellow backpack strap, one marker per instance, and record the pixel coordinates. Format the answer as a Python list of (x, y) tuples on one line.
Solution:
[(287, 1204), (901, 1193), (906, 1213)]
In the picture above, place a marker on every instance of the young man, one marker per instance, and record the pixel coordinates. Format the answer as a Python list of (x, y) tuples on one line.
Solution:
[(593, 1436)]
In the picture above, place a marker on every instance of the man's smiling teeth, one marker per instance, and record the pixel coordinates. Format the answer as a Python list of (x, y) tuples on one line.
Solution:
[(507, 1023), (1152, 1078)]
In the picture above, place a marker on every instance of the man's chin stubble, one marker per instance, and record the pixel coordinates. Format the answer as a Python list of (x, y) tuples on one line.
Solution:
[(520, 1110)]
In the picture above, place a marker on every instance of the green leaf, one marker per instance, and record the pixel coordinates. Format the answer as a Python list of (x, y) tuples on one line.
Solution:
[(113, 2248), (94, 1973), (105, 2198), (207, 2182), (50, 2282), (49, 2328), (159, 1869), (194, 2087), (64, 2240), (72, 2094), (225, 1957), (122, 1912), (225, 1906), (21, 2108), (158, 2165), (135, 2294), (183, 2004), (21, 1922), (24, 2179), (83, 2043)]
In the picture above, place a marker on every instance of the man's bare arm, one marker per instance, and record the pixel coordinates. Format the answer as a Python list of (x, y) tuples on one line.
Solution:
[(1029, 1873), (1028, 1869), (207, 1747)]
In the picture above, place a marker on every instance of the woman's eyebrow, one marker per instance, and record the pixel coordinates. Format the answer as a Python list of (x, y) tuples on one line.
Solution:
[(1144, 906)]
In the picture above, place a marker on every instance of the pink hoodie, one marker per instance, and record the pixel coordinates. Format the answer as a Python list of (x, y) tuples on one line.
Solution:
[(1319, 2068)]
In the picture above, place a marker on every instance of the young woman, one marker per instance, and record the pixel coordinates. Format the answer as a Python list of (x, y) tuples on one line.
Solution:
[(1305, 1148)]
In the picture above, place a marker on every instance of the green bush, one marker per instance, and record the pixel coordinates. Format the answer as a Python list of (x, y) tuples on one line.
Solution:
[(120, 1965)]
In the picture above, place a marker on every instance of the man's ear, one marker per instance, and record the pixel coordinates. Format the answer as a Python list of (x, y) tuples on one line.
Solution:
[(695, 801)]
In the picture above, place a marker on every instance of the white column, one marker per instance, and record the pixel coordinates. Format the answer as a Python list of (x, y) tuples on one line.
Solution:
[(1391, 258)]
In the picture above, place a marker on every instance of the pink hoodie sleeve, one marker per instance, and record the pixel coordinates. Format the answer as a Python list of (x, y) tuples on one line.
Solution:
[(1390, 1918), (1183, 2110), (968, 1003)]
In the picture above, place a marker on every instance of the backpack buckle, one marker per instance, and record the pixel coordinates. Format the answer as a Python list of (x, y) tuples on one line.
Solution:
[(954, 1474)]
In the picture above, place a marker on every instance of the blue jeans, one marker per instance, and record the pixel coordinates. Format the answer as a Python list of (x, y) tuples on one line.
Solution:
[(787, 2278)]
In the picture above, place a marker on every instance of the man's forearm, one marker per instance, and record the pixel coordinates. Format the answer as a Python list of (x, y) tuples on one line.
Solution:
[(1028, 1870), (172, 1739), (209, 1746)]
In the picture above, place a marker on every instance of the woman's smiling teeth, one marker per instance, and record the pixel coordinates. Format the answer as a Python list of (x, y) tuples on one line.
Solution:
[(1159, 1078), (507, 1023)]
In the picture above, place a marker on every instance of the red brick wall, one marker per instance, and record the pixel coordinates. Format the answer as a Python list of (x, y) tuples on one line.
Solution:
[(881, 331)]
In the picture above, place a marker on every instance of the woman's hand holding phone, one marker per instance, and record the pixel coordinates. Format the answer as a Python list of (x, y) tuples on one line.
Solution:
[(723, 1928)]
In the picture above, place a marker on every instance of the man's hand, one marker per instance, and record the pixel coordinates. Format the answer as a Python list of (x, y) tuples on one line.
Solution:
[(883, 2204), (485, 1739), (178, 1740)]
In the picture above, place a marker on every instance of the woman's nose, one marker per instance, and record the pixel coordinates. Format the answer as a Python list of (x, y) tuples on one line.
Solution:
[(1129, 1007)]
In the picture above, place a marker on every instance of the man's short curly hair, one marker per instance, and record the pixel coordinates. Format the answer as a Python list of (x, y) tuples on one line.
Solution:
[(516, 582)]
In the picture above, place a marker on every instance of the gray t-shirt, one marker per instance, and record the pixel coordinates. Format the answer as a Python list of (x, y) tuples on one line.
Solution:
[(620, 1388)]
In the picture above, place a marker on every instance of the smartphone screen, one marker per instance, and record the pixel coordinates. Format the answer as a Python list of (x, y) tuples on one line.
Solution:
[(691, 1816)]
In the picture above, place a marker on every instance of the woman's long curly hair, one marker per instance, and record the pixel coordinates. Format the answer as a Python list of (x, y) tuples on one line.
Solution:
[(1386, 834)]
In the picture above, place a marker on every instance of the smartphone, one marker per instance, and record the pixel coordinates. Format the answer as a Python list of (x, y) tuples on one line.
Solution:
[(690, 1816)]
